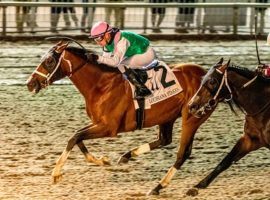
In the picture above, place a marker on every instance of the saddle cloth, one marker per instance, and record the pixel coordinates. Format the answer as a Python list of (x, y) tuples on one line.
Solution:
[(162, 82)]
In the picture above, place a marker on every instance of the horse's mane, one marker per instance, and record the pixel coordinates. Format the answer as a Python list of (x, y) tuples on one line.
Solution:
[(243, 71), (249, 74), (81, 53)]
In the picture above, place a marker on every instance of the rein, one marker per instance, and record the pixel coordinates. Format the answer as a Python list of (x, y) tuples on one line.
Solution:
[(72, 72)]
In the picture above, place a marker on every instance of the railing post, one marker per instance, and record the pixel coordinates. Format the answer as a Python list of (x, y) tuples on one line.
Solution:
[(145, 18), (4, 22), (235, 19)]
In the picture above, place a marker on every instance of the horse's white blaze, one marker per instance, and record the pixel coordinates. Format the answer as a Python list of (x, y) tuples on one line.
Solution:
[(140, 150), (168, 177)]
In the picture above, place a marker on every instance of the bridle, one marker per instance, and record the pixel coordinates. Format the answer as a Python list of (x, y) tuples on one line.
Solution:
[(224, 81), (211, 104), (57, 58)]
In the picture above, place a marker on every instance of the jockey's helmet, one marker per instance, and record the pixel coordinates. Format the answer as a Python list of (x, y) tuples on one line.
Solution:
[(99, 29)]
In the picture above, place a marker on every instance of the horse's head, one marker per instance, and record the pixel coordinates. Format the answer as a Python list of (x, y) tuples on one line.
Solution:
[(214, 88), (55, 65)]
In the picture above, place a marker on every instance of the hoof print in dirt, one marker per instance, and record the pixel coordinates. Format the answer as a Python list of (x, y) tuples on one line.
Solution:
[(192, 192)]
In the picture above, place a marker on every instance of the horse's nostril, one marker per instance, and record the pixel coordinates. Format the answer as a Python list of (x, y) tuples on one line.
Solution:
[(212, 102), (194, 107)]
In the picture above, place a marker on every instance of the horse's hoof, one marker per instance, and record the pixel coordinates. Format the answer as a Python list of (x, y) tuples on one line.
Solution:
[(123, 160), (56, 179), (105, 160), (153, 192), (201, 185), (192, 192)]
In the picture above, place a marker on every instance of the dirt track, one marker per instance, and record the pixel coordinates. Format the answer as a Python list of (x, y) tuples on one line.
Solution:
[(35, 130)]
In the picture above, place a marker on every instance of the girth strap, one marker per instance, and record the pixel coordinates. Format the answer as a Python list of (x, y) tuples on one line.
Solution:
[(140, 113)]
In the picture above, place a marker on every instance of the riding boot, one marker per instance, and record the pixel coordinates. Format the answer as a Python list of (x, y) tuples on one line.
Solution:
[(141, 90)]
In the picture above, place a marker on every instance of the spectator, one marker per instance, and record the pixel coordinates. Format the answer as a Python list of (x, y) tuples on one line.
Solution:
[(22, 16), (157, 15), (55, 15), (260, 12), (72, 11), (184, 17), (215, 18), (33, 16), (118, 14), (87, 16)]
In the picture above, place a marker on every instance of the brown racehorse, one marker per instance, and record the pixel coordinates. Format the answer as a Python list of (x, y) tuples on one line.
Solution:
[(109, 105), (248, 91)]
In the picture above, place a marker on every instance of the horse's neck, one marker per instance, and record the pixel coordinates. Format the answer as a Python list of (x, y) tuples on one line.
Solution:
[(91, 79), (252, 97)]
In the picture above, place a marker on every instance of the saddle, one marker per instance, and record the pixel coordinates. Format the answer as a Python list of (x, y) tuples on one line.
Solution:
[(161, 81)]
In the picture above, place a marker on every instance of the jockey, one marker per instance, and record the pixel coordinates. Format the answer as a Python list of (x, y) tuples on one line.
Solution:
[(125, 50), (264, 70)]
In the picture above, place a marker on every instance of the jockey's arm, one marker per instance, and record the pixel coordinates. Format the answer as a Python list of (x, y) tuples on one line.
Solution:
[(117, 56)]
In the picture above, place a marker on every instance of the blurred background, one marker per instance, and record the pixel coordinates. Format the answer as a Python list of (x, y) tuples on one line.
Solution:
[(144, 16)]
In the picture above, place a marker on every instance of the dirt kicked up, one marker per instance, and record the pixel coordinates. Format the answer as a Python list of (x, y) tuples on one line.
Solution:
[(34, 131)]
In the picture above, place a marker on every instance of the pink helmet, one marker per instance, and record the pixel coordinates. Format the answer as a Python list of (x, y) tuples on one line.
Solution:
[(99, 29)]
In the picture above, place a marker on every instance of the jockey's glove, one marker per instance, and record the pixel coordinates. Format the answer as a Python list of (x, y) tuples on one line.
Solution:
[(91, 58)]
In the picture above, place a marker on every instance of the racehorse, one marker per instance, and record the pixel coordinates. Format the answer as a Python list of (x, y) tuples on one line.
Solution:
[(241, 88), (109, 105)]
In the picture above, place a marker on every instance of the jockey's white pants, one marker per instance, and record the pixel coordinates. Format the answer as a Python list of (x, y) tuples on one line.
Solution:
[(139, 60)]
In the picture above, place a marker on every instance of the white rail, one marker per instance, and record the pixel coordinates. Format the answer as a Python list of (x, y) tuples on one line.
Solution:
[(141, 18)]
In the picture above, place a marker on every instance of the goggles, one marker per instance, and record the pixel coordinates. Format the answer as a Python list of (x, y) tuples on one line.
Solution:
[(100, 38)]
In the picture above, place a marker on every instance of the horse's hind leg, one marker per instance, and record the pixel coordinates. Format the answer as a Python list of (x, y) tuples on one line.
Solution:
[(244, 145), (164, 138)]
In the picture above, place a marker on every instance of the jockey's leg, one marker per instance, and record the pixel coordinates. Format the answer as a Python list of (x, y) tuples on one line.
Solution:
[(141, 90), (136, 62)]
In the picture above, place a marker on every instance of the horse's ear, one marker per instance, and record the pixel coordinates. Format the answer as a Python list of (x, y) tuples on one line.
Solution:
[(222, 68), (61, 47), (220, 61), (228, 63)]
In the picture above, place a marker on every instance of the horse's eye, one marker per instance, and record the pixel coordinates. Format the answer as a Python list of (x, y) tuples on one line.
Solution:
[(50, 62), (211, 83)]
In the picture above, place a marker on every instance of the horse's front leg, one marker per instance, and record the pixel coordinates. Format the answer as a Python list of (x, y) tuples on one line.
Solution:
[(90, 132), (91, 158), (244, 145), (88, 156)]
